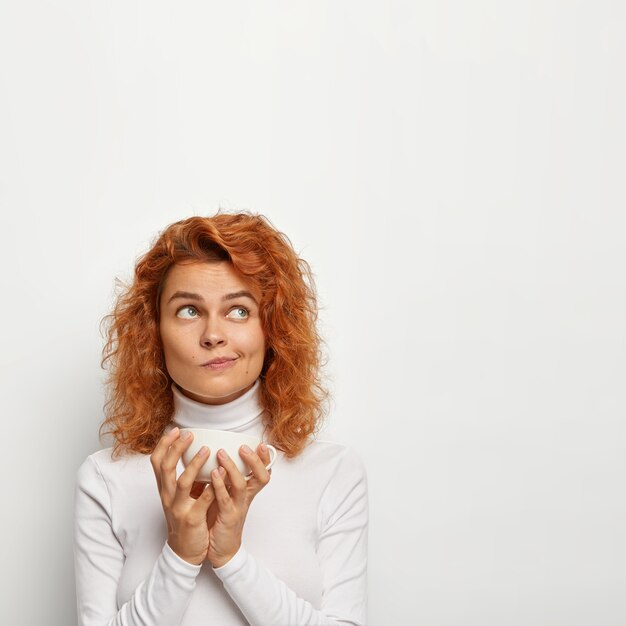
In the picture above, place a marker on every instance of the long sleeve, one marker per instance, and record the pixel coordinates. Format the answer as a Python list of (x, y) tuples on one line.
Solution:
[(159, 600), (266, 600)]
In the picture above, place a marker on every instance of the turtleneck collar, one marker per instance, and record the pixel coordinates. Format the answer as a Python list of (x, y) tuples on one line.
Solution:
[(242, 415)]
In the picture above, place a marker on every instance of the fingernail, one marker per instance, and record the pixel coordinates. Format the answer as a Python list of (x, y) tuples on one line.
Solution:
[(186, 435), (174, 430), (222, 471), (222, 454), (246, 449), (215, 473), (263, 448), (203, 451)]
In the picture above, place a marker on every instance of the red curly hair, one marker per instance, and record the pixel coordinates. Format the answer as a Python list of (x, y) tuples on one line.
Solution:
[(139, 401)]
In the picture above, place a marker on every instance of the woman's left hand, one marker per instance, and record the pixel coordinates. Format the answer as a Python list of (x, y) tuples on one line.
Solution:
[(228, 512)]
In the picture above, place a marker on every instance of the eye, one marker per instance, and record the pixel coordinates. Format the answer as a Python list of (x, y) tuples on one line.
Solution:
[(240, 309), (187, 313)]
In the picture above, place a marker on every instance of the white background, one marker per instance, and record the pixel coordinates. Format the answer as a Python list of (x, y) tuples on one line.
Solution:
[(454, 174)]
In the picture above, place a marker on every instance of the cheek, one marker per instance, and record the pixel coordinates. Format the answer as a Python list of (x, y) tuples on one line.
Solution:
[(172, 342), (255, 344), (249, 337)]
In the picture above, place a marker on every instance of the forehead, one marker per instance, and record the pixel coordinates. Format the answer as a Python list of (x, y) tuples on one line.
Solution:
[(206, 279)]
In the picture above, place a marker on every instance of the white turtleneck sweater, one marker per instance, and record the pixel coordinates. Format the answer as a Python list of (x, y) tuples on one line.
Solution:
[(303, 558)]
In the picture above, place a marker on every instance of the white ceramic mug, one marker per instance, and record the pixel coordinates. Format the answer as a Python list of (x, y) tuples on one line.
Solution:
[(229, 441)]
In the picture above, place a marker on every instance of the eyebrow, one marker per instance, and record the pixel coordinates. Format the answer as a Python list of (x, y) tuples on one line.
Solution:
[(189, 295)]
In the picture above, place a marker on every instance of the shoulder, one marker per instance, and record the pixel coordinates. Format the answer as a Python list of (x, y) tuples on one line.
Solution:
[(335, 460), (101, 466), (90, 467), (335, 450)]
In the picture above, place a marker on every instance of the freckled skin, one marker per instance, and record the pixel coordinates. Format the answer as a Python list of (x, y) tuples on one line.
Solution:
[(194, 331)]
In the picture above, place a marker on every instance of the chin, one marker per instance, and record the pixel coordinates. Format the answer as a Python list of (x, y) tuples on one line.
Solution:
[(216, 393)]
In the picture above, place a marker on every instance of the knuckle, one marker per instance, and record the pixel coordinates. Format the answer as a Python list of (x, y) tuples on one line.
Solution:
[(184, 483), (167, 463), (187, 521)]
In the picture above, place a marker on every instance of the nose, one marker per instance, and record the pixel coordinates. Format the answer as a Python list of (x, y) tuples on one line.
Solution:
[(213, 333)]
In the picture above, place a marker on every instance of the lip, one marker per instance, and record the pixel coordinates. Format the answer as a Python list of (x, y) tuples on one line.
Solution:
[(218, 364)]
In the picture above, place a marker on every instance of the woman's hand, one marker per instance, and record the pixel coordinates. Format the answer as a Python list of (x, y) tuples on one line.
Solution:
[(228, 514), (187, 531)]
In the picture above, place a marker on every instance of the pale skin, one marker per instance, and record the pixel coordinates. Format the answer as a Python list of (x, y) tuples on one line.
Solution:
[(205, 314)]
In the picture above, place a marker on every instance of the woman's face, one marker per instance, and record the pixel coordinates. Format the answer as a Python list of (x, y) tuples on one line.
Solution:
[(208, 311)]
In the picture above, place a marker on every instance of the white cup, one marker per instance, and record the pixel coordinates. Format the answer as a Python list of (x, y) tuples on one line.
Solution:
[(229, 441)]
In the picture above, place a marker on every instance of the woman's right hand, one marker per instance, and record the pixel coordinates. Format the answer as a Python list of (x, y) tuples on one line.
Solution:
[(187, 531)]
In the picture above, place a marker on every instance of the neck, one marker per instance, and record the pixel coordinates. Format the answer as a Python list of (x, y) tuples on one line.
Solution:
[(244, 414)]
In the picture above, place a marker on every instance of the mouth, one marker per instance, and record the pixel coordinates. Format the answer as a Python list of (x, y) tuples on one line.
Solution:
[(219, 364)]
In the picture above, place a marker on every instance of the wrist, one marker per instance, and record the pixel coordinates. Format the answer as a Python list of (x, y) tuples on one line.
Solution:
[(189, 559), (222, 559), (234, 567)]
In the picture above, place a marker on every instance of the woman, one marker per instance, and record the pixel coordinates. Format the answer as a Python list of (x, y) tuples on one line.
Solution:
[(218, 331)]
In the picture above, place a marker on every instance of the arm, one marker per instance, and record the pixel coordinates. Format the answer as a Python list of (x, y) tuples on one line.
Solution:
[(160, 600), (266, 600)]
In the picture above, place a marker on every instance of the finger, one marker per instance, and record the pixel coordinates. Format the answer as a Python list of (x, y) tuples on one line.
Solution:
[(224, 501), (186, 480), (201, 506), (159, 452), (211, 514), (260, 474), (237, 480), (169, 463), (264, 453)]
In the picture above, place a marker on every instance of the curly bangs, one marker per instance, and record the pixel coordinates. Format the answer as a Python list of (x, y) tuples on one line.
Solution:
[(139, 402)]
